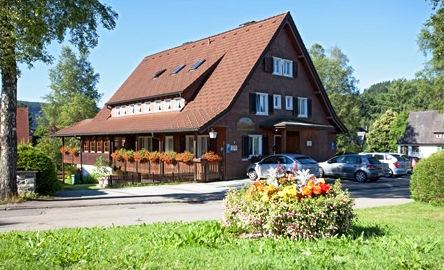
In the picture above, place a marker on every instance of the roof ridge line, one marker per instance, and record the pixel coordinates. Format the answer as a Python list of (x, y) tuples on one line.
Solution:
[(215, 35)]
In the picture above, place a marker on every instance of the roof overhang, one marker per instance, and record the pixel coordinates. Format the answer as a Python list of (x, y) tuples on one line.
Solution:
[(285, 124)]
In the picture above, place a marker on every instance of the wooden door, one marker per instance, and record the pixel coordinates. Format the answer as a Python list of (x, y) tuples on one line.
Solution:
[(277, 144), (293, 142)]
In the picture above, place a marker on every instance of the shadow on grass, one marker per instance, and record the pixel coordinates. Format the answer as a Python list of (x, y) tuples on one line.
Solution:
[(367, 232)]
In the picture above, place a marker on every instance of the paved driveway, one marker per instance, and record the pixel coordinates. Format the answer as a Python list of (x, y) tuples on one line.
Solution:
[(184, 202)]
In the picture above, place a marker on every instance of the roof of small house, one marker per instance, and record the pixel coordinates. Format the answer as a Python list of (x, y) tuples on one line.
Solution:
[(422, 128), (230, 58)]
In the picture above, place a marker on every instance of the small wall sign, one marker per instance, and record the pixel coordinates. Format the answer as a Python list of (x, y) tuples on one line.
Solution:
[(234, 148), (309, 143), (228, 148)]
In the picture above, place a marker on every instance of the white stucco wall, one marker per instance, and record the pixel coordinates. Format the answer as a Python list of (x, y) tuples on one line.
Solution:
[(88, 169), (424, 151)]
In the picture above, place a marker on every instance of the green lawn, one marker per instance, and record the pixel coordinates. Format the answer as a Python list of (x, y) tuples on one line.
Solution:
[(401, 237)]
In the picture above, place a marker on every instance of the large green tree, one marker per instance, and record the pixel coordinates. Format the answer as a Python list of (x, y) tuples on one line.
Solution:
[(431, 37), (73, 97), (338, 79), (385, 132), (26, 29)]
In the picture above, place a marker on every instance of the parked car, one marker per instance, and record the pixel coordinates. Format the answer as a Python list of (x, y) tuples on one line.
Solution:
[(412, 161), (355, 166), (397, 164), (289, 163)]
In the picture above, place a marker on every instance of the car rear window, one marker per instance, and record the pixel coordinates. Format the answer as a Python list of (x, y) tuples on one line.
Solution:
[(373, 160), (306, 160)]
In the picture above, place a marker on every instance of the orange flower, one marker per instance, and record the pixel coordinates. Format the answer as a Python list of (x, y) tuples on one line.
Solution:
[(317, 189), (324, 188), (307, 191)]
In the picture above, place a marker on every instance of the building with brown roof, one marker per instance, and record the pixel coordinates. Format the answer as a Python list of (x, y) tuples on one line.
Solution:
[(255, 86)]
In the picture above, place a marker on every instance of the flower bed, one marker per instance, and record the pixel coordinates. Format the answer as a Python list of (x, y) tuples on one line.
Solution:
[(298, 206)]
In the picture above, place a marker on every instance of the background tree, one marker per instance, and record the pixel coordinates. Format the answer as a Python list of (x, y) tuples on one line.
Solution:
[(431, 37), (338, 79), (26, 28), (73, 97), (385, 132)]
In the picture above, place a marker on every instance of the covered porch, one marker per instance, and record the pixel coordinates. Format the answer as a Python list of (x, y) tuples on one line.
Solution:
[(141, 170)]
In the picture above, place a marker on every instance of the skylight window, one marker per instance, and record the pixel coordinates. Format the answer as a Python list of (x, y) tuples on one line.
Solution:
[(177, 69), (158, 73), (197, 64)]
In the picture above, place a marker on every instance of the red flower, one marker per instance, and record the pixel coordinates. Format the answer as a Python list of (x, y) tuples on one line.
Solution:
[(324, 188)]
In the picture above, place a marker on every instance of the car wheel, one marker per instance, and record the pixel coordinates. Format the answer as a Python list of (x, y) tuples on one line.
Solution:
[(321, 172), (390, 173), (360, 176), (252, 175)]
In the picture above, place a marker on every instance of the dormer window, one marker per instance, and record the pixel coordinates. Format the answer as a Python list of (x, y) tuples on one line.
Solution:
[(158, 106), (197, 64), (167, 105), (177, 69), (179, 103)]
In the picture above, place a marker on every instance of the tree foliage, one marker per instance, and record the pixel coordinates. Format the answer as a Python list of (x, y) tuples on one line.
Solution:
[(26, 29), (337, 77), (431, 37), (386, 131), (73, 98)]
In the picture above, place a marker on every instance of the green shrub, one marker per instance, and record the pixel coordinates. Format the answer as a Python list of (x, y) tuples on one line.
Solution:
[(275, 213), (32, 159), (427, 181)]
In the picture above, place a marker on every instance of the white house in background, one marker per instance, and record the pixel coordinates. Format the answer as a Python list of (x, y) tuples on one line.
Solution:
[(424, 134)]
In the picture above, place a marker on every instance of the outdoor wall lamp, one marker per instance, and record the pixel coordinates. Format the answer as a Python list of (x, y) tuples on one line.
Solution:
[(213, 134)]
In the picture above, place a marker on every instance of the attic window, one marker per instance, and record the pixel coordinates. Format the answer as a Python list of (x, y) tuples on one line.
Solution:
[(197, 64), (177, 69), (158, 73)]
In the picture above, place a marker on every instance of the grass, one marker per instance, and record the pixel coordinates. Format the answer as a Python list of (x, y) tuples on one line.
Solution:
[(399, 237)]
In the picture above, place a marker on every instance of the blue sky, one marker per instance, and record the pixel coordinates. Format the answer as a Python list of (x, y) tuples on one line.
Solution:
[(378, 36)]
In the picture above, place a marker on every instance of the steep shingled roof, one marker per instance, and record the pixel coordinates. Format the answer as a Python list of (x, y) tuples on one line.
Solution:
[(422, 126), (246, 43), (235, 52)]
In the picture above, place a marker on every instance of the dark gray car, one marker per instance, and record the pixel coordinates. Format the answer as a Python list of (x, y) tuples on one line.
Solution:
[(288, 162), (353, 166)]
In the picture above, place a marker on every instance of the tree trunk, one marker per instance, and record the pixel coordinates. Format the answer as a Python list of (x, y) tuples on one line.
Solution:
[(8, 137)]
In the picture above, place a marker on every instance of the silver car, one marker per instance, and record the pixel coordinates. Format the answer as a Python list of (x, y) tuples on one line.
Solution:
[(290, 163), (397, 165), (358, 167)]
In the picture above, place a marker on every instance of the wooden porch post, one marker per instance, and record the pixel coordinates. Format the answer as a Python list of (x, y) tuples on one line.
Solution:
[(284, 141), (63, 160), (81, 160), (195, 153)]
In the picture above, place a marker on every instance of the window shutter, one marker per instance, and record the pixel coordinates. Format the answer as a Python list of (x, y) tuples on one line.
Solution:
[(182, 143), (155, 144), (245, 146), (308, 107), (295, 69), (295, 106), (265, 146), (268, 64), (253, 103), (270, 104)]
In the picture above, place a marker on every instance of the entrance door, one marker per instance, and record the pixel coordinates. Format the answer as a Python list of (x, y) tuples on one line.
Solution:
[(277, 144), (293, 143)]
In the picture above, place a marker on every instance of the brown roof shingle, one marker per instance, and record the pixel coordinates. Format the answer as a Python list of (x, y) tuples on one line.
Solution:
[(239, 50)]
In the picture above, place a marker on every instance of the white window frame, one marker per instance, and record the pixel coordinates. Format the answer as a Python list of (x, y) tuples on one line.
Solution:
[(167, 105), (167, 140), (277, 102), (259, 98), (259, 140), (141, 140), (289, 106), (277, 66), (200, 139), (302, 101), (282, 67), (148, 107), (178, 104), (123, 110), (287, 68), (189, 143), (158, 105)]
